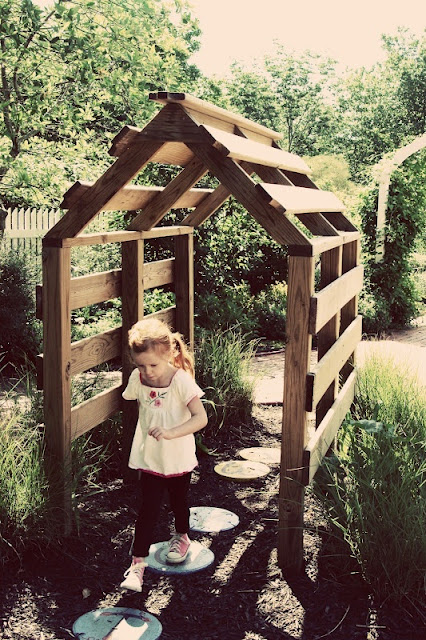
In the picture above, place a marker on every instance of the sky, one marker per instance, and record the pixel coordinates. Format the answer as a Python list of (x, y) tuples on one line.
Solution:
[(349, 32)]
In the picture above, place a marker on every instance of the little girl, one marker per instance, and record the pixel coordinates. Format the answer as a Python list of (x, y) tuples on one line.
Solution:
[(163, 449)]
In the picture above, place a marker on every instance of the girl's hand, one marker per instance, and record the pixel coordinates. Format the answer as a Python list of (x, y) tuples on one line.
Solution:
[(159, 433)]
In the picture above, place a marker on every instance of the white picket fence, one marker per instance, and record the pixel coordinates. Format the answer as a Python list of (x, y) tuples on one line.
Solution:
[(25, 228)]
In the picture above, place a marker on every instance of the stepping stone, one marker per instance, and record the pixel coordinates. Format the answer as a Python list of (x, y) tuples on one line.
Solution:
[(267, 455), (117, 623), (242, 469), (212, 519), (198, 558)]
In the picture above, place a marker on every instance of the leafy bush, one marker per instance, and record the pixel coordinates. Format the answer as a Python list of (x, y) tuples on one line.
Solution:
[(271, 309), (391, 296), (222, 362), (373, 487), (233, 306), (20, 335)]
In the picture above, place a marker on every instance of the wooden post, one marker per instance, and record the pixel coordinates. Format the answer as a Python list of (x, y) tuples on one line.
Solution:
[(132, 311), (331, 269), (297, 362), (184, 286), (350, 259), (57, 379)]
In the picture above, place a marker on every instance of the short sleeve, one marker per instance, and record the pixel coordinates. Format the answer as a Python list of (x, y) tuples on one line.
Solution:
[(131, 392), (188, 389)]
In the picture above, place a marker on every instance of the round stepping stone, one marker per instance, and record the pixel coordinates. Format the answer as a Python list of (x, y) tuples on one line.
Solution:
[(212, 519), (198, 558), (267, 455), (117, 623), (242, 469)]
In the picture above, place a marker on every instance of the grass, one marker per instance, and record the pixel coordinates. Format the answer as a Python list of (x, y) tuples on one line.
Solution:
[(222, 371), (374, 486)]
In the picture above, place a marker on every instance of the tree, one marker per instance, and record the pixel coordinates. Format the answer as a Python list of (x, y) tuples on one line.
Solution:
[(79, 67)]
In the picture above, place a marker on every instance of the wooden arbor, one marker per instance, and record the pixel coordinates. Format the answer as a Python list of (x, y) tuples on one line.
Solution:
[(201, 138)]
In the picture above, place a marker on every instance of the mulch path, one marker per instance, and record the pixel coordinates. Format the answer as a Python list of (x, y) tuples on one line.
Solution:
[(241, 596)]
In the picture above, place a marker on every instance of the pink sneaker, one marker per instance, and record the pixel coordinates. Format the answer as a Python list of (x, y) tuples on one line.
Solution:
[(134, 577), (178, 548)]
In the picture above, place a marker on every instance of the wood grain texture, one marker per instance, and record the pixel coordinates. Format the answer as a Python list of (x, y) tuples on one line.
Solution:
[(117, 176), (133, 197), (95, 350), (242, 187), (298, 200), (92, 412), (184, 287), (324, 435), (298, 353)]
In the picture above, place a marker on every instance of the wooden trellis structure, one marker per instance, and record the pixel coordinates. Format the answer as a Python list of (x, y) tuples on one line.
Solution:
[(201, 138)]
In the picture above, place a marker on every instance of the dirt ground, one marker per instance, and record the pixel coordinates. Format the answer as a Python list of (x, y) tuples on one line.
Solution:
[(241, 596)]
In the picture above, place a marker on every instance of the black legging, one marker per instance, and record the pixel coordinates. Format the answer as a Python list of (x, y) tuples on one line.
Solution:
[(153, 488)]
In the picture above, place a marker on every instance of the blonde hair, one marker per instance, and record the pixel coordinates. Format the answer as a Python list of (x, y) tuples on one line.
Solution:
[(154, 334)]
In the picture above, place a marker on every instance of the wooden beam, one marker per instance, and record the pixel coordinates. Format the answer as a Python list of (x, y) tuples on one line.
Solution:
[(201, 106), (339, 221), (155, 210), (244, 149), (88, 239), (298, 200), (232, 176), (95, 350), (95, 288), (96, 410), (294, 428), (327, 302), (133, 197), (57, 378), (324, 435), (316, 246), (350, 259), (117, 176), (159, 272), (184, 287), (317, 224), (328, 368)]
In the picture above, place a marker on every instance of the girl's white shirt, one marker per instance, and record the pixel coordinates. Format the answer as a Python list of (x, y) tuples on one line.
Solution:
[(166, 407)]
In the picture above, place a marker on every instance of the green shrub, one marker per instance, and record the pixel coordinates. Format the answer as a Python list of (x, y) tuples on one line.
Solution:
[(373, 486), (20, 335), (270, 306), (234, 305), (222, 361)]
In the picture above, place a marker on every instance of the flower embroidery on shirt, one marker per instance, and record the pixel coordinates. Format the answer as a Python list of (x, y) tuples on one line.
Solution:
[(155, 398)]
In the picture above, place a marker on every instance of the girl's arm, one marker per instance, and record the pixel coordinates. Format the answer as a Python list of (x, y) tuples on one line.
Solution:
[(197, 421)]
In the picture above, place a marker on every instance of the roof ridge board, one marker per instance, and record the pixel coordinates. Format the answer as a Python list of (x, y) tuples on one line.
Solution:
[(189, 101)]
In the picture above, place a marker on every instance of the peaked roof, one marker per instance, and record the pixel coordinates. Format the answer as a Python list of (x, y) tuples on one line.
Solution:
[(201, 138)]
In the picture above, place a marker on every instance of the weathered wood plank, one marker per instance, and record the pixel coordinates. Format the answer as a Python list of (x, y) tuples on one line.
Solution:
[(117, 176), (156, 209), (159, 273), (339, 221), (89, 239), (316, 246), (324, 435), (56, 376), (244, 149), (328, 368), (95, 288), (95, 350), (133, 197), (201, 106), (333, 297), (331, 269), (184, 287), (317, 224), (294, 428), (92, 412), (298, 200), (232, 176)]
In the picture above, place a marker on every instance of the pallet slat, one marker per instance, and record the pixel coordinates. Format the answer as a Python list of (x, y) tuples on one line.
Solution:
[(92, 412), (297, 200), (324, 435), (329, 366), (133, 197), (327, 302), (95, 350), (244, 149)]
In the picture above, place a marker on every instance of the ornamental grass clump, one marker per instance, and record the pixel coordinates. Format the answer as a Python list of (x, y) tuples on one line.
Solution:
[(374, 485), (222, 361)]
